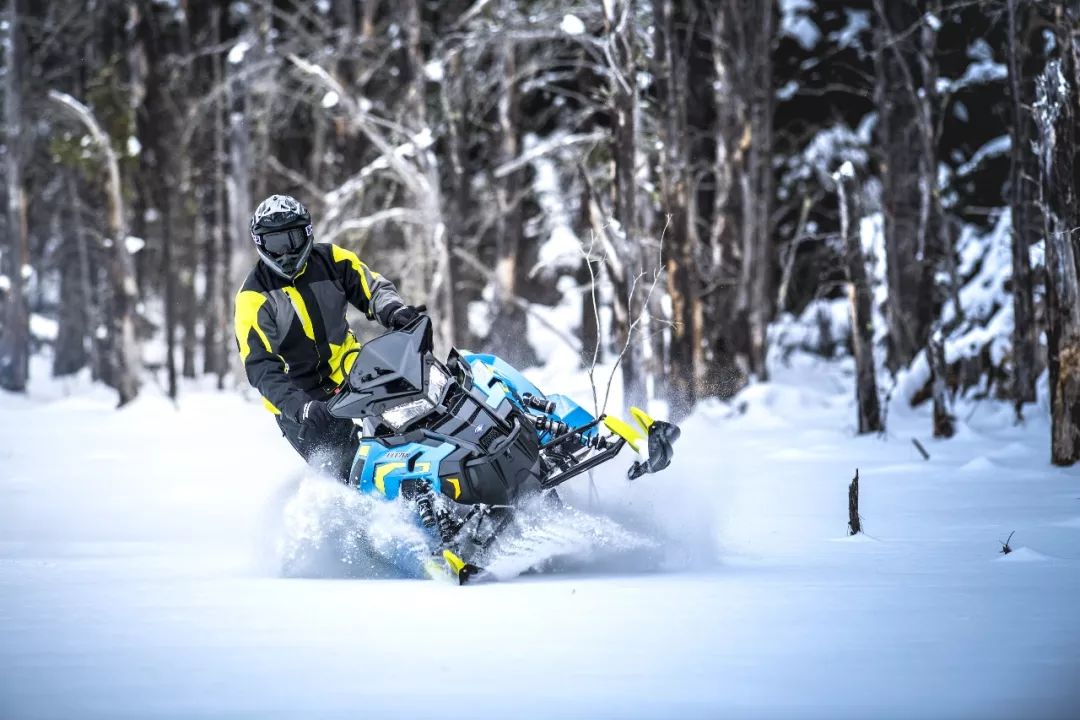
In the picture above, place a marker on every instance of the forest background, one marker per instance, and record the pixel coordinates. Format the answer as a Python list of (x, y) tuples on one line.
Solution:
[(709, 185)]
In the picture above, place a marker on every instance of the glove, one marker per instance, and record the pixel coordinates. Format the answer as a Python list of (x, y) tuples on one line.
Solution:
[(315, 420), (402, 317)]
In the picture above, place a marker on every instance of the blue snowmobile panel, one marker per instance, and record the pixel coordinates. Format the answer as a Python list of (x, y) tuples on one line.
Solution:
[(566, 410), (385, 468)]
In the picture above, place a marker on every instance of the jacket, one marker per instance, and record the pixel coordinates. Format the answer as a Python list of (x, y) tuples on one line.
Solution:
[(292, 335)]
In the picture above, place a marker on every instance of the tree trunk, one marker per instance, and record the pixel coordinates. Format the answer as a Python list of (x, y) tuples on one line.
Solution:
[(758, 252), (219, 291), (15, 330), (908, 310), (452, 96), (678, 248), (860, 299), (588, 278), (70, 354), (628, 277), (124, 362), (169, 272), (944, 422), (1056, 115), (1024, 232), (239, 177), (722, 374), (508, 318)]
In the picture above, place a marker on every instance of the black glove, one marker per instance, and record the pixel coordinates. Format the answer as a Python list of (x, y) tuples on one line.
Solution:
[(402, 317), (315, 420)]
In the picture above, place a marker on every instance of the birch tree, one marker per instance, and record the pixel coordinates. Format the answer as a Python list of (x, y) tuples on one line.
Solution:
[(125, 361), (15, 331)]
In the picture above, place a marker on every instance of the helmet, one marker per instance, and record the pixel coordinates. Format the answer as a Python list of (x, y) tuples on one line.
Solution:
[(281, 231)]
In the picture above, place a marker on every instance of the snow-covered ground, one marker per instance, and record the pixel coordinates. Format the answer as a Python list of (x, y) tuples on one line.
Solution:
[(140, 575)]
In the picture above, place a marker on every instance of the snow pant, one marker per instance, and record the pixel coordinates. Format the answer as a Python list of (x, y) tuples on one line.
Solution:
[(331, 452)]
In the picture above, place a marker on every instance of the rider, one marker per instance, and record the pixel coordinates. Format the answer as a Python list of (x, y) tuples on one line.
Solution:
[(291, 330)]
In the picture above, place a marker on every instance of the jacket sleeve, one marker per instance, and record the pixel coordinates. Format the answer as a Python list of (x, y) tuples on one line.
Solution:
[(266, 372), (368, 291)]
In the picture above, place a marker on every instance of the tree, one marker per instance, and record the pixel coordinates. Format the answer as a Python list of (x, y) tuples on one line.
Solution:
[(859, 298), (1056, 117), (669, 69), (15, 331), (124, 362), (621, 34), (902, 125), (739, 252), (1024, 232)]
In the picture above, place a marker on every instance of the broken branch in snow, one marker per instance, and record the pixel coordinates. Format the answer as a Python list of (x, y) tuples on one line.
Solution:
[(854, 524), (920, 448), (1005, 549)]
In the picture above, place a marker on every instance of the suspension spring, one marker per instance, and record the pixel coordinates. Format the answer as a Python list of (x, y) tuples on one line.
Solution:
[(446, 526), (425, 505), (550, 425), (433, 518)]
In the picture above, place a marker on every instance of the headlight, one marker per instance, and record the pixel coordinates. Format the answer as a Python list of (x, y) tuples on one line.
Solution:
[(400, 416), (437, 379)]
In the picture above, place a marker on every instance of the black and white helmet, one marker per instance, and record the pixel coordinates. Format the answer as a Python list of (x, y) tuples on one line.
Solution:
[(281, 231)]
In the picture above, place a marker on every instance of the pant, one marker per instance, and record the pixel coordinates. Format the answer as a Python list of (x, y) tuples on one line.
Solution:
[(332, 453)]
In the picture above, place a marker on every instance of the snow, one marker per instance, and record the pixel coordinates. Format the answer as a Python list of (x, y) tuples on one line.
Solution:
[(572, 25), (985, 71), (795, 24), (434, 71), (985, 262), (826, 150), (562, 250), (134, 147), (788, 90), (993, 148), (134, 244), (330, 99), (44, 328), (238, 51), (139, 574), (5, 283), (858, 22)]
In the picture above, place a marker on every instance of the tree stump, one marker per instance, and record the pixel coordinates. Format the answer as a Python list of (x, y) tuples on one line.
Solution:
[(854, 526)]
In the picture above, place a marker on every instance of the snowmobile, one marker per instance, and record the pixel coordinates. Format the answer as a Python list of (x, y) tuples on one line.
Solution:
[(469, 441)]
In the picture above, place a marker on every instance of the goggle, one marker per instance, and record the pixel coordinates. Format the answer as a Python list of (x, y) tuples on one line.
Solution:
[(283, 242)]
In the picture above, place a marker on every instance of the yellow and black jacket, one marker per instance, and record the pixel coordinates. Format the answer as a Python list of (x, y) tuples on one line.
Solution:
[(292, 336)]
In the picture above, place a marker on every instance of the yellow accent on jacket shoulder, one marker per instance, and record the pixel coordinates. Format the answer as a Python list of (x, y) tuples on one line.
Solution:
[(340, 254), (248, 304)]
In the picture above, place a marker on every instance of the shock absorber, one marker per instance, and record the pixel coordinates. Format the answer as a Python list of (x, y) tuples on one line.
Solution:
[(544, 406), (551, 425), (433, 518), (425, 505)]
